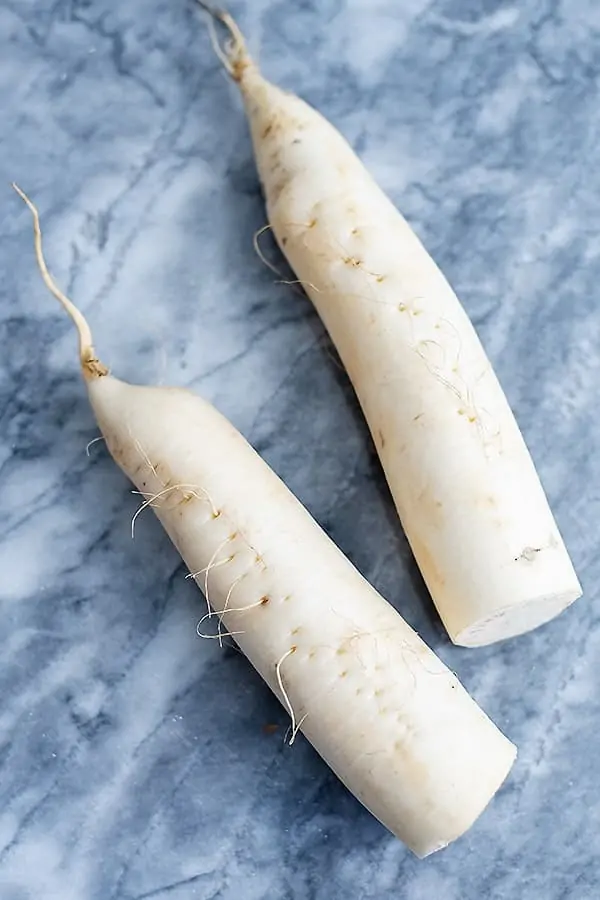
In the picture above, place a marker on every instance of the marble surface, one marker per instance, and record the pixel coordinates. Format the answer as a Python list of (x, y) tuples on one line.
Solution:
[(137, 761)]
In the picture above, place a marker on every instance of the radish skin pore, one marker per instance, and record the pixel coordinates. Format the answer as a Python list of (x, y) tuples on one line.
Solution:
[(463, 481), (391, 720)]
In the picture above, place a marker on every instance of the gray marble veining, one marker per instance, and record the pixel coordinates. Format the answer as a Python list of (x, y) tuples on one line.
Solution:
[(134, 758)]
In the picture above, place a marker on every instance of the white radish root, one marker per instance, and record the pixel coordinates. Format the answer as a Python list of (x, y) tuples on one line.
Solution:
[(461, 476), (390, 719)]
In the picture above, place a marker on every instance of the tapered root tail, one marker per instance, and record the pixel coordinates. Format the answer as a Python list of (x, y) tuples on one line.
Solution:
[(234, 55), (90, 364)]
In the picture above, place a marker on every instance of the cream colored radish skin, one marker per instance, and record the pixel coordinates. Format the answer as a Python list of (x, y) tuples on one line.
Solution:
[(390, 719), (463, 481)]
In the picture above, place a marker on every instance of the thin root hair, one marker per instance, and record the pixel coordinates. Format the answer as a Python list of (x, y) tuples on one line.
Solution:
[(222, 55), (232, 586), (151, 500), (236, 609), (293, 731), (295, 726), (220, 634), (88, 358), (255, 243), (306, 226), (400, 643), (454, 330), (92, 442), (211, 564), (215, 565), (304, 284), (146, 459), (234, 57), (430, 342), (463, 392), (291, 282), (435, 372)]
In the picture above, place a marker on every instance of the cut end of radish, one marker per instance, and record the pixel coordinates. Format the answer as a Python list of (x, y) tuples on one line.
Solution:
[(512, 621), (503, 769)]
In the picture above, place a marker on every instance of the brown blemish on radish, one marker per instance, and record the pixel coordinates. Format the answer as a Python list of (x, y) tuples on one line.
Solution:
[(381, 437), (267, 131), (430, 507), (276, 189)]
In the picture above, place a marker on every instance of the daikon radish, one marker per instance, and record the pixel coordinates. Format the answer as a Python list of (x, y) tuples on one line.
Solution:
[(390, 719), (461, 476)]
